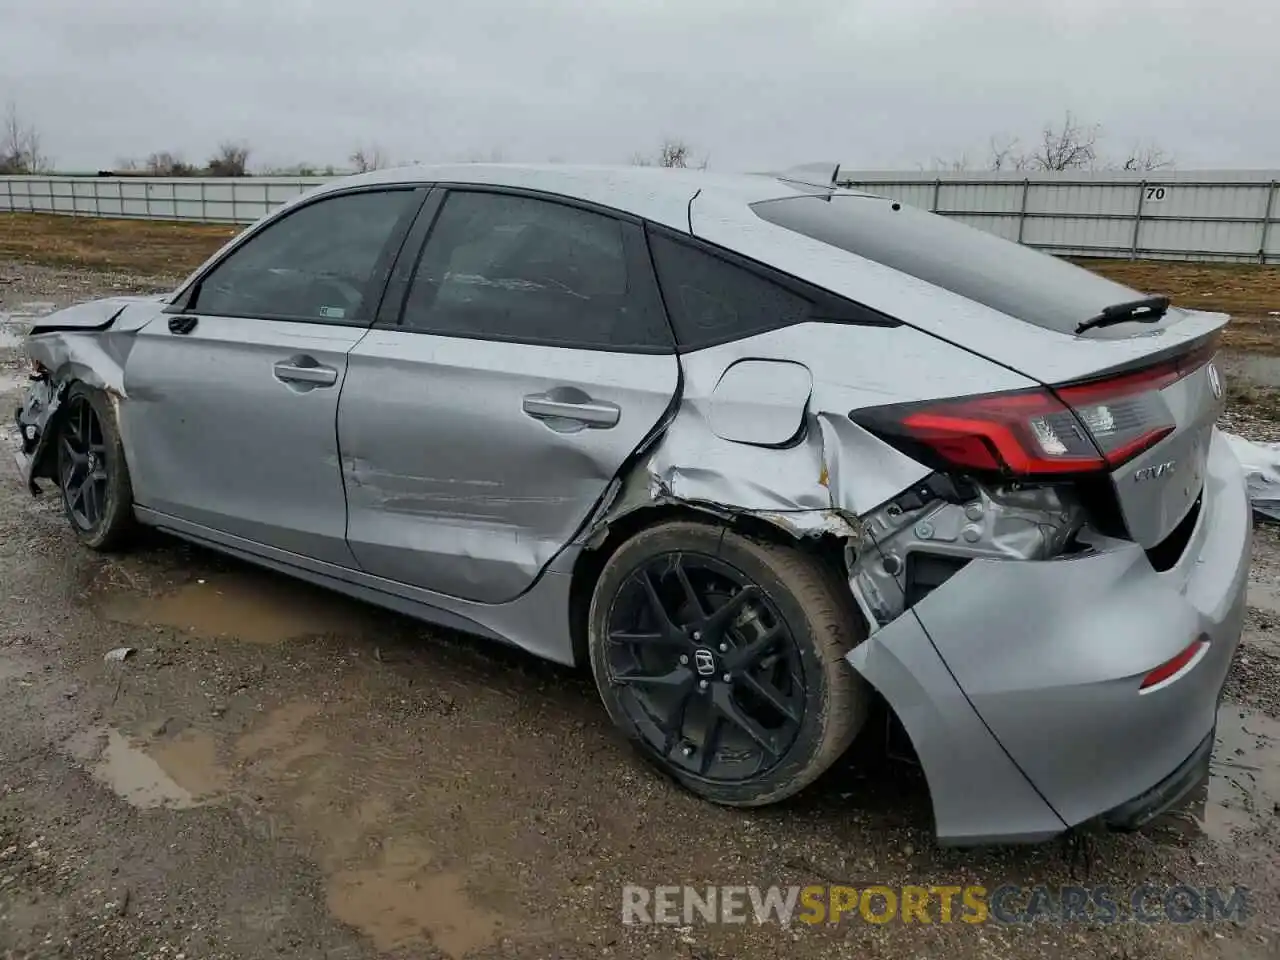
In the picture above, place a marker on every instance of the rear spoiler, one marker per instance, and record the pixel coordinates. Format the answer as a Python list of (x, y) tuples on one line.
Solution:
[(822, 176)]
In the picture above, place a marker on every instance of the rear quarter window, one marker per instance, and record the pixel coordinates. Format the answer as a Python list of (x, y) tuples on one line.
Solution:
[(1016, 280)]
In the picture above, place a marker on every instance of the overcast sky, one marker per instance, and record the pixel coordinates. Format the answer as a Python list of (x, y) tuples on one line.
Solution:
[(752, 84)]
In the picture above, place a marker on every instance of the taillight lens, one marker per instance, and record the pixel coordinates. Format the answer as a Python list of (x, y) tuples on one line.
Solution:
[(1078, 428)]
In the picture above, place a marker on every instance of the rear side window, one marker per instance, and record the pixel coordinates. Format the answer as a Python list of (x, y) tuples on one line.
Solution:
[(1034, 287), (316, 263), (507, 267), (713, 301)]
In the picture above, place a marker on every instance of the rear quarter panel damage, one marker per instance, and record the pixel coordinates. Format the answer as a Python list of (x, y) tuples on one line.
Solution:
[(730, 448)]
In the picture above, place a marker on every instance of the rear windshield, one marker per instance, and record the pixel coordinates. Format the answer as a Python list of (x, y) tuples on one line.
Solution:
[(1013, 279)]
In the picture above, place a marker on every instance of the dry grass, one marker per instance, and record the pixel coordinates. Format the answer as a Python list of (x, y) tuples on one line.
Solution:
[(1247, 291), (149, 247)]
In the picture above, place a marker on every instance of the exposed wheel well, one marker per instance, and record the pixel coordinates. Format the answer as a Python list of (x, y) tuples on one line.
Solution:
[(587, 568)]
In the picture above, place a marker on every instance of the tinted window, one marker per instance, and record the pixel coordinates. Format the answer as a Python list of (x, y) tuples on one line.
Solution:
[(314, 264), (713, 301), (508, 267), (1014, 279)]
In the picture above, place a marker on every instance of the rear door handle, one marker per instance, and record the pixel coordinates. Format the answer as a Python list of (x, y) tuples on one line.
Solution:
[(305, 370), (568, 403)]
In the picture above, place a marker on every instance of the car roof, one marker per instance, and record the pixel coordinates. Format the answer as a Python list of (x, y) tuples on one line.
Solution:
[(658, 194)]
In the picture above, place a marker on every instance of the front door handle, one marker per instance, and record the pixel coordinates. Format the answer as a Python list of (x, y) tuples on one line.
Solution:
[(572, 405), (305, 370)]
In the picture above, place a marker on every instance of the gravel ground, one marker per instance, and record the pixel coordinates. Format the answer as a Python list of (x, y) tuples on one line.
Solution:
[(277, 771)]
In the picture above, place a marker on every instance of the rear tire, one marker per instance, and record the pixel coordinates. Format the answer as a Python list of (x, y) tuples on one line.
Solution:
[(93, 478), (722, 659)]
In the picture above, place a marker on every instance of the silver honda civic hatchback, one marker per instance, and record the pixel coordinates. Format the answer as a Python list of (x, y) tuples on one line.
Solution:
[(761, 451)]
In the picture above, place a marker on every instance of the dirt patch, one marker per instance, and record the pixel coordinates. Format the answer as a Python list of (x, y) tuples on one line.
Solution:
[(140, 246), (401, 902), (256, 608), (1245, 289)]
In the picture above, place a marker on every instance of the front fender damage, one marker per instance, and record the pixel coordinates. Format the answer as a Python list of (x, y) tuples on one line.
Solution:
[(88, 343)]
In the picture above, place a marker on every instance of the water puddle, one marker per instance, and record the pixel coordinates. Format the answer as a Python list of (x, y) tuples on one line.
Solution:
[(1244, 775), (401, 901), (147, 781), (254, 607), (1243, 789)]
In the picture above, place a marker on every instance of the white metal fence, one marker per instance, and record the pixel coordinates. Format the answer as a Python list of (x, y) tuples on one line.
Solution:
[(1227, 216), (1198, 215), (203, 199)]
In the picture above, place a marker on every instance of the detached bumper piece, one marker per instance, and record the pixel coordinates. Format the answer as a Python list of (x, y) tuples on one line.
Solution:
[(39, 401), (1165, 795)]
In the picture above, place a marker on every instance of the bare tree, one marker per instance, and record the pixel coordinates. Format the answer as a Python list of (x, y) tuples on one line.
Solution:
[(956, 165), (168, 164), (1073, 146), (1147, 157), (1005, 153), (369, 158), (20, 145), (674, 153), (231, 160)]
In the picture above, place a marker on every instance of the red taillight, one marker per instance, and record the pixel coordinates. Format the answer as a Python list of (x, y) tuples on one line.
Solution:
[(1172, 667), (1077, 428)]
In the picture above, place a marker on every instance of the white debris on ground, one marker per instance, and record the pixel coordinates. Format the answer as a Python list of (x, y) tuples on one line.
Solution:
[(1261, 463)]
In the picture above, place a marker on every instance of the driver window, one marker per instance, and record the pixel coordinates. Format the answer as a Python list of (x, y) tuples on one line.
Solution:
[(314, 264)]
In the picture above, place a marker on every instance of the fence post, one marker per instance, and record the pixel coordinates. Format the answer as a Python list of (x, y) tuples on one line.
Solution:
[(1266, 222), (937, 189), (146, 197), (1137, 220), (120, 196), (204, 204), (1022, 213), (9, 183)]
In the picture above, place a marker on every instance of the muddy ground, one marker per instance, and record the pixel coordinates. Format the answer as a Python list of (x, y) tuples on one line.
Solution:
[(278, 771)]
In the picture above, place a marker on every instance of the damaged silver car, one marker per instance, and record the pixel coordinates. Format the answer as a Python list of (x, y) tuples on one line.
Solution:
[(761, 451)]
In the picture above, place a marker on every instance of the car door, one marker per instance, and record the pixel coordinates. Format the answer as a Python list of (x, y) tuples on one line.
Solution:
[(518, 362), (233, 396)]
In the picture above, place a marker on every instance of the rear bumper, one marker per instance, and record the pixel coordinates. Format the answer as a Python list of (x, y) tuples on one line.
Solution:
[(1165, 795), (1018, 682)]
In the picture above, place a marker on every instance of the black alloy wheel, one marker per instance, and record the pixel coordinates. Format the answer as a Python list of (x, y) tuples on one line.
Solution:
[(709, 669), (82, 465)]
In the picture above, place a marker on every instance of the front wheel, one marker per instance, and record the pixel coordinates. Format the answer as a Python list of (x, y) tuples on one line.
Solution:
[(722, 660), (93, 477)]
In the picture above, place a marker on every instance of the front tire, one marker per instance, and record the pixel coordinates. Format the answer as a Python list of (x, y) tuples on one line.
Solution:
[(97, 494), (722, 659)]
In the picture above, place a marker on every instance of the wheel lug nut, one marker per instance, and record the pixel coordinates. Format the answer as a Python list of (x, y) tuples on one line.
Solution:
[(727, 677), (684, 659), (687, 749), (702, 684), (724, 648), (697, 634)]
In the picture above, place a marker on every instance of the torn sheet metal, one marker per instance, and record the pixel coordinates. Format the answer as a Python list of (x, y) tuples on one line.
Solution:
[(88, 342), (730, 448), (1261, 465)]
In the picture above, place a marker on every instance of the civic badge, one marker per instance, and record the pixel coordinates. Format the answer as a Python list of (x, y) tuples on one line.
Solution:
[(1215, 381)]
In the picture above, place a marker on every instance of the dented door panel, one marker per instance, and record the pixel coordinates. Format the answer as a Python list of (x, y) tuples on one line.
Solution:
[(215, 436), (460, 483)]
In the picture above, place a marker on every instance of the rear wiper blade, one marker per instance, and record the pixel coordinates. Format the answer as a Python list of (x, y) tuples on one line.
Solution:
[(1146, 310)]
